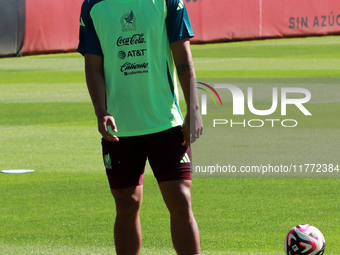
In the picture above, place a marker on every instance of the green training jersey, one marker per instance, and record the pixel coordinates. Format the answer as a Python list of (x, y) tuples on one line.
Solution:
[(134, 37)]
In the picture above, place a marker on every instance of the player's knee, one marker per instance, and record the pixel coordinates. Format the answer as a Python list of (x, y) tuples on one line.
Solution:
[(181, 208), (128, 207), (177, 197), (127, 204)]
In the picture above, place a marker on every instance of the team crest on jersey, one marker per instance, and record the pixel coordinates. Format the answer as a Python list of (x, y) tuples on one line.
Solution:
[(107, 161), (128, 22)]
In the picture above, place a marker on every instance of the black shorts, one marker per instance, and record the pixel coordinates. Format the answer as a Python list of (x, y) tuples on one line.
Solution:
[(168, 157)]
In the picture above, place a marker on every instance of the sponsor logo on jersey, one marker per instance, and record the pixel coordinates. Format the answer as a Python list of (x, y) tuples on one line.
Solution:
[(134, 68), (128, 22), (121, 54), (131, 53), (135, 39)]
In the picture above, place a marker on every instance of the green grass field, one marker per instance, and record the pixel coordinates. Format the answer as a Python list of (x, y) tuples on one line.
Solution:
[(47, 124)]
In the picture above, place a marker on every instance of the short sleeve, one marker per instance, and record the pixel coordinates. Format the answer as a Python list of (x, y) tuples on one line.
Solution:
[(88, 38), (177, 21)]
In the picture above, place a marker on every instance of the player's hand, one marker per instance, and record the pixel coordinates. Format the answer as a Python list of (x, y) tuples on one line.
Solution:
[(104, 122), (192, 127)]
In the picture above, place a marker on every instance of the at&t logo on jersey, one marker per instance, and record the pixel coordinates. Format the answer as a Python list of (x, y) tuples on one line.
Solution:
[(131, 53)]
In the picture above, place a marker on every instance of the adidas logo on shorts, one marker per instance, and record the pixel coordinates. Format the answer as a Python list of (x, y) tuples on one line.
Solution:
[(185, 159)]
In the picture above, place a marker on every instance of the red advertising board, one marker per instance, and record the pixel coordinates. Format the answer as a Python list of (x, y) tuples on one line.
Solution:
[(300, 18), (227, 20), (53, 26)]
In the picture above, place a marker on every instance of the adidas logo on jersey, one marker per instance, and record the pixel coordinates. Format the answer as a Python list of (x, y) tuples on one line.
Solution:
[(180, 5), (185, 159), (82, 22)]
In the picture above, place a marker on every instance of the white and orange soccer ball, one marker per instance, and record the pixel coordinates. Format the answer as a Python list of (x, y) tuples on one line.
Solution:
[(304, 240)]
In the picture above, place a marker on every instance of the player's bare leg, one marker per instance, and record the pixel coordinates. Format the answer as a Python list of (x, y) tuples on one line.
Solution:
[(184, 229), (127, 228)]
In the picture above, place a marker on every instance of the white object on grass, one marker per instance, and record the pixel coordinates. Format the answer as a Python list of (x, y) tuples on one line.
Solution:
[(17, 171)]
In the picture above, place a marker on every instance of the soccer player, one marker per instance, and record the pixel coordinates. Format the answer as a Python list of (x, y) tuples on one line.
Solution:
[(131, 50)]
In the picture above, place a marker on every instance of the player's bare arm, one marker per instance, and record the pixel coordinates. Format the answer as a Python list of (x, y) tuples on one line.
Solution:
[(95, 80), (186, 74)]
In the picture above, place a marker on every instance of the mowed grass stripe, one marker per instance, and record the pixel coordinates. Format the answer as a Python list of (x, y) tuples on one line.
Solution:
[(262, 73), (304, 48), (43, 93), (38, 77), (22, 114), (53, 62)]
